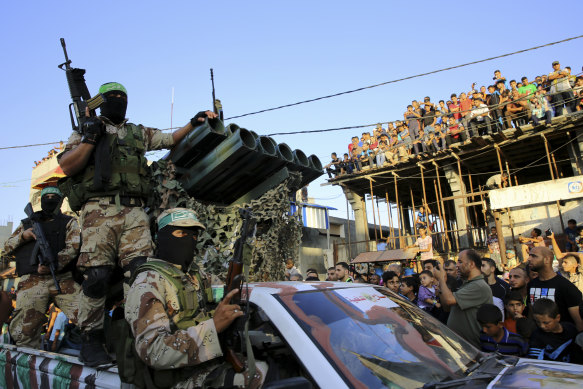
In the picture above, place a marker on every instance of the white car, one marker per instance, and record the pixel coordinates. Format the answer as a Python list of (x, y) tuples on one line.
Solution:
[(338, 335)]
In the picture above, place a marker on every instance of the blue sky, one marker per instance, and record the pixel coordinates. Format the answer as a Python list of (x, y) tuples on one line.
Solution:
[(264, 54)]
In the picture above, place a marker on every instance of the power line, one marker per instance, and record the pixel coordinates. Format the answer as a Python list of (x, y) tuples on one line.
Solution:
[(405, 78), (23, 146)]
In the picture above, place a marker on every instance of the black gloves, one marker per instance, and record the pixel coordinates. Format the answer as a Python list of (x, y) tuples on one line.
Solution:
[(92, 129), (194, 121)]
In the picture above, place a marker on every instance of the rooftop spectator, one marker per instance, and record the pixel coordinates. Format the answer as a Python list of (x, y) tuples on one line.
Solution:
[(498, 286), (513, 86), (391, 281), (355, 145), (465, 107), (439, 138), (347, 164), (527, 89), (498, 78), (366, 157), (465, 302), (454, 107), (561, 90), (540, 110), (550, 285), (355, 158), (454, 133), (429, 115), (492, 101), (442, 112), (515, 111), (479, 119), (412, 116), (554, 339), (495, 337), (334, 167)]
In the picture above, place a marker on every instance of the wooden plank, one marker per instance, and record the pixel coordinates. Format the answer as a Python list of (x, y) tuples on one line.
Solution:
[(465, 195)]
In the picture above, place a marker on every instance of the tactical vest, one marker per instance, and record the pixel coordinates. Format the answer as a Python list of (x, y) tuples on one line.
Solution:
[(129, 171), (55, 231), (131, 367)]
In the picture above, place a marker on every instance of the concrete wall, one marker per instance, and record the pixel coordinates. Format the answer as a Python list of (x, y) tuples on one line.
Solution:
[(5, 232)]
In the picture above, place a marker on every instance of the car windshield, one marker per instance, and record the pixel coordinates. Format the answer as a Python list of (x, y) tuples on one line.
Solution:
[(374, 338)]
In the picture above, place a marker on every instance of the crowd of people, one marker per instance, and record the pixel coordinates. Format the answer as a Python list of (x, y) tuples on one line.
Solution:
[(535, 311), (428, 129)]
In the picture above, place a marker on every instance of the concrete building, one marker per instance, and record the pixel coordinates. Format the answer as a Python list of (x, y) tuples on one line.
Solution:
[(545, 188)]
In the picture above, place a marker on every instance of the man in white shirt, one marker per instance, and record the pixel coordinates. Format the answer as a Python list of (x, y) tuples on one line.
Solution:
[(480, 122)]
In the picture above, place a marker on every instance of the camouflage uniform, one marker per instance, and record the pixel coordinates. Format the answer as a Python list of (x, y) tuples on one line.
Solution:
[(35, 291), (152, 308), (112, 232)]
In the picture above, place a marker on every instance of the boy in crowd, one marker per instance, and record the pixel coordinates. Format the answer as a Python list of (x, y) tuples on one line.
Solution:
[(495, 337), (553, 340), (391, 281), (409, 289), (514, 305)]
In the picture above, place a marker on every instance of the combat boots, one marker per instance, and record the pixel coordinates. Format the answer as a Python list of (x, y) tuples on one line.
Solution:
[(93, 352)]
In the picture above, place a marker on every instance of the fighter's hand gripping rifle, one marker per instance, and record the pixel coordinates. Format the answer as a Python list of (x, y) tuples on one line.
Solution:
[(234, 281), (79, 93), (42, 251)]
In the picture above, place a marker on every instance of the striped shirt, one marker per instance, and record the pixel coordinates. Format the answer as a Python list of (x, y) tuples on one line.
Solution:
[(510, 344)]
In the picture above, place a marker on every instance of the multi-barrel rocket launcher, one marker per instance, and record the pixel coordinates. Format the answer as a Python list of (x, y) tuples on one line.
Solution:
[(233, 165)]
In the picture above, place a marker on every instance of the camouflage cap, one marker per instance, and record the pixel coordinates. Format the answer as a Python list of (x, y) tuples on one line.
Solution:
[(49, 190), (180, 217), (112, 86)]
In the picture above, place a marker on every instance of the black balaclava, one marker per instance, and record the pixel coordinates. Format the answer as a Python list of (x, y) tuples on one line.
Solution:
[(50, 206), (114, 107), (179, 251)]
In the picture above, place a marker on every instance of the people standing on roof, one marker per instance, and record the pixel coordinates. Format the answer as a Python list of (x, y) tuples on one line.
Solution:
[(561, 90), (37, 289), (108, 181)]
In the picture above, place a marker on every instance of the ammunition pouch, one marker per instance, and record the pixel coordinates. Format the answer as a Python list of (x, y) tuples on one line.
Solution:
[(130, 174)]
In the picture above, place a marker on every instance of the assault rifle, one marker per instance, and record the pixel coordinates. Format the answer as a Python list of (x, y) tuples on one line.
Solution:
[(79, 93), (234, 281), (42, 250), (217, 106)]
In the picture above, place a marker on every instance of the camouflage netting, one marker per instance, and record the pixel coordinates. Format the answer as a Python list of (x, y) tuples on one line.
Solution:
[(277, 236)]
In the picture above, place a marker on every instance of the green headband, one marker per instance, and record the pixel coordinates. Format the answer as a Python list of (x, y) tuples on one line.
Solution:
[(112, 86), (49, 190), (183, 217)]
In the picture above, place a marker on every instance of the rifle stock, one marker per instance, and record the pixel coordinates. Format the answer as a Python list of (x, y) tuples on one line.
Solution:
[(42, 250)]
